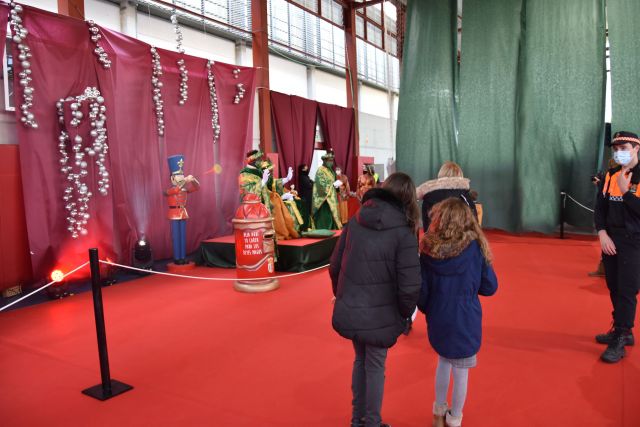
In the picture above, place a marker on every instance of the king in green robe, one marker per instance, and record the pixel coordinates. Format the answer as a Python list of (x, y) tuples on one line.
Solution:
[(325, 211), (251, 177)]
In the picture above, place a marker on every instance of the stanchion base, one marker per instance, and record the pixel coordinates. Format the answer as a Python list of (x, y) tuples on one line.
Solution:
[(181, 268), (256, 286), (97, 392)]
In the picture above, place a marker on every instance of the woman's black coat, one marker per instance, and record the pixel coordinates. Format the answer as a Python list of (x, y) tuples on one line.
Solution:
[(375, 272)]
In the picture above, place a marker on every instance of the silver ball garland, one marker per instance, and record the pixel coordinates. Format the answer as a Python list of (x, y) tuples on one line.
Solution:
[(213, 97), (239, 94), (76, 194), (178, 31), (19, 35), (184, 77), (99, 51), (157, 90)]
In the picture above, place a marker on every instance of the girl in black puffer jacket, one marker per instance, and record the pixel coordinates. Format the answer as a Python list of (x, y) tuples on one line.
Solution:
[(375, 273)]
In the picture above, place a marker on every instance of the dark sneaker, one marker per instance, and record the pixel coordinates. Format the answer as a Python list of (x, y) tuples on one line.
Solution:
[(610, 337), (615, 351)]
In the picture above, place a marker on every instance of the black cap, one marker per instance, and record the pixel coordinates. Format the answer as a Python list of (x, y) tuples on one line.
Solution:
[(623, 137)]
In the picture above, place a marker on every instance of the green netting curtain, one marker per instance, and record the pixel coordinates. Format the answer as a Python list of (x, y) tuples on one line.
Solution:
[(531, 103), (624, 43), (426, 132), (488, 108)]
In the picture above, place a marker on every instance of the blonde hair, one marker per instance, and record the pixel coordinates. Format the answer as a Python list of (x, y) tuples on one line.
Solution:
[(453, 227), (450, 170)]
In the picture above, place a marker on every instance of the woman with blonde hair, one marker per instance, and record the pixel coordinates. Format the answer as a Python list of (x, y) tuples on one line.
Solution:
[(455, 259), (450, 183)]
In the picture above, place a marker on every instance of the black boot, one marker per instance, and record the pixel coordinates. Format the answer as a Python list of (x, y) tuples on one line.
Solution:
[(615, 350), (609, 337)]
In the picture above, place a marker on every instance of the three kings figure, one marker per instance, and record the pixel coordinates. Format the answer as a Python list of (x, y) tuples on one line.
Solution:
[(325, 209)]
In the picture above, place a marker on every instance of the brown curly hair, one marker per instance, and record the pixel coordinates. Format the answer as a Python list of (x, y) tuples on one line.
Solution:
[(453, 227)]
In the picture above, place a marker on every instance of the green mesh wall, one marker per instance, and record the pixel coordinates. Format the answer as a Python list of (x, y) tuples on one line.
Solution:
[(531, 100)]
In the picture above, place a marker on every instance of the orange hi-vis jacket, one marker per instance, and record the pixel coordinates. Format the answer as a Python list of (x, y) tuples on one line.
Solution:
[(615, 210)]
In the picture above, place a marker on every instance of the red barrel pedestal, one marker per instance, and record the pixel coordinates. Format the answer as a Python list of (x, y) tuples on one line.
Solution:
[(255, 247)]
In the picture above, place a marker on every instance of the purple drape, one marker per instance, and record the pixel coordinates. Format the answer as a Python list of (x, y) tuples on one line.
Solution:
[(236, 138), (64, 65), (4, 18), (135, 158), (188, 131), (338, 129), (294, 123)]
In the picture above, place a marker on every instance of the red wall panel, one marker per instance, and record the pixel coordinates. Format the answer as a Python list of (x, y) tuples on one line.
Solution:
[(15, 261)]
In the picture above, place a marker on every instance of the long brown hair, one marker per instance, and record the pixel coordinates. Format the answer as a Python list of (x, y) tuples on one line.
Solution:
[(402, 187), (453, 227)]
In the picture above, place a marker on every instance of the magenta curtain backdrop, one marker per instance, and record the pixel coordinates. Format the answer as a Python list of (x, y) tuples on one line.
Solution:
[(64, 65), (338, 129), (4, 18), (188, 132), (294, 124), (236, 138)]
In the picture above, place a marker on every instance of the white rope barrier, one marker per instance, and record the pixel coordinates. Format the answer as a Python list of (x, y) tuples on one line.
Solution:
[(183, 276), (577, 202), (44, 287)]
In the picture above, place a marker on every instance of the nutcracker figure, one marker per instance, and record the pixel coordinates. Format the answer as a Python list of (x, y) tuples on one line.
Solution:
[(177, 201)]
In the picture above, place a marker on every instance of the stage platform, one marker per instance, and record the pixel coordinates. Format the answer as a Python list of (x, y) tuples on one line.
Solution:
[(293, 255)]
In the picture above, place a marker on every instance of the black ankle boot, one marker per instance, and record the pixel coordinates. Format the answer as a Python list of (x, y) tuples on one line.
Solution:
[(615, 350), (609, 337)]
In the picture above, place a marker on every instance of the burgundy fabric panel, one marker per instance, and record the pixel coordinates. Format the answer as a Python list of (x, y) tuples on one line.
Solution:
[(294, 123), (236, 137), (136, 161), (338, 128), (188, 132), (4, 18), (62, 65)]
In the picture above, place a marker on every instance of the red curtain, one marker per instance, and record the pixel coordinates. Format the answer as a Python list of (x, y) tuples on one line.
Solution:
[(188, 132), (4, 18), (338, 129), (236, 137), (294, 123), (64, 65)]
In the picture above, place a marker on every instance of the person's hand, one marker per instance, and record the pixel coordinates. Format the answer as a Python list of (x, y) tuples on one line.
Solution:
[(287, 196), (338, 184), (189, 178), (352, 194), (607, 245), (290, 173), (624, 180), (333, 300), (265, 176)]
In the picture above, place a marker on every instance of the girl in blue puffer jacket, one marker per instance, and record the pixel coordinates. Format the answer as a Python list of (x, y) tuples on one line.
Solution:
[(456, 267)]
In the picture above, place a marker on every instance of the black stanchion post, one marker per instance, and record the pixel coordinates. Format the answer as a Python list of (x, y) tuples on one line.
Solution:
[(563, 198), (108, 388)]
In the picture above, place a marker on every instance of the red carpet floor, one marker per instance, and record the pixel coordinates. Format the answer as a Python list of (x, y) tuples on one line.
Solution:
[(199, 353)]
